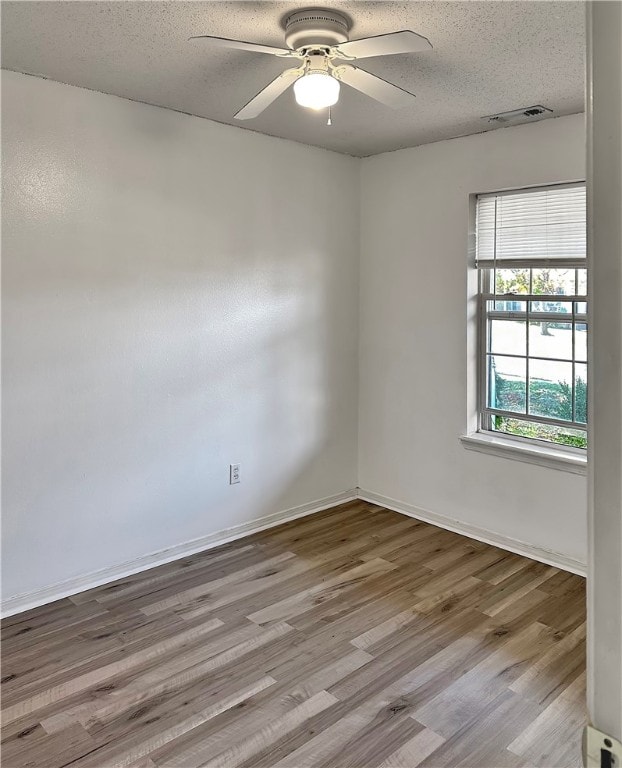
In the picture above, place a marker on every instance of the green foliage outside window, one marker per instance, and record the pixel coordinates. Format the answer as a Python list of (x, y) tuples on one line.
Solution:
[(551, 398)]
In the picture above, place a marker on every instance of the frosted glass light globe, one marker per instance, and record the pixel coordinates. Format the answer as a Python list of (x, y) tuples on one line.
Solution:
[(316, 90)]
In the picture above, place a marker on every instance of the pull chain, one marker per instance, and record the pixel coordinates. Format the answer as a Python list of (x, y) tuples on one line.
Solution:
[(329, 121)]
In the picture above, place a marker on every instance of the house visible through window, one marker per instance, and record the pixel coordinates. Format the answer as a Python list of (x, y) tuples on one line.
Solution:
[(531, 255)]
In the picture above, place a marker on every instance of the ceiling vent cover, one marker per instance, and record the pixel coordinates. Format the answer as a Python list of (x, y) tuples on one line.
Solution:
[(525, 115)]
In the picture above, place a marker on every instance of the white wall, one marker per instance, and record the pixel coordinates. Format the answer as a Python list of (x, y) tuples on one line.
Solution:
[(413, 327), (180, 295), (604, 658), (177, 295)]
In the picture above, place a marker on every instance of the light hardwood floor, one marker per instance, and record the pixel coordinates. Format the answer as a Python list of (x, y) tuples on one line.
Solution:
[(354, 638)]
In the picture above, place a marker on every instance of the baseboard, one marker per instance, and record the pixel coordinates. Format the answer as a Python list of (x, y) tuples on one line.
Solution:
[(480, 534), (28, 600)]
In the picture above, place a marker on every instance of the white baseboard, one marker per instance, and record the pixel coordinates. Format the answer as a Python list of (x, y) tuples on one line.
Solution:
[(28, 600), (480, 534)]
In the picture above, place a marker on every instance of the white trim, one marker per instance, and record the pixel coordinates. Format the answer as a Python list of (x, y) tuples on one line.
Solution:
[(28, 600), (480, 534), (530, 453)]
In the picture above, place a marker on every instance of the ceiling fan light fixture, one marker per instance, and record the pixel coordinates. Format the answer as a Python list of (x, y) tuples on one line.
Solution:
[(316, 90), (318, 40)]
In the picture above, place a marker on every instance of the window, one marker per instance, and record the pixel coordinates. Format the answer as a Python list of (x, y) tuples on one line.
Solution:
[(533, 314)]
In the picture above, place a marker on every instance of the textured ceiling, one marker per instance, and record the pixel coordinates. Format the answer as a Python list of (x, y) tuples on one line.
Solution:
[(488, 57)]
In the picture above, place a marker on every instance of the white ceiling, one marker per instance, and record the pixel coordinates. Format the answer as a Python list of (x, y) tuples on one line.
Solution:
[(488, 57)]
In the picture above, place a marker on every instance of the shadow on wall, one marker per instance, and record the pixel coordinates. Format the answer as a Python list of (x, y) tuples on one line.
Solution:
[(130, 397), (162, 321)]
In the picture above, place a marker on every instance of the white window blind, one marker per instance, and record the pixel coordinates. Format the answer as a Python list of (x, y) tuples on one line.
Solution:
[(547, 224)]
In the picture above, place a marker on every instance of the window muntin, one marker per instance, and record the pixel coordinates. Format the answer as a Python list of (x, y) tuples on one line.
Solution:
[(533, 316)]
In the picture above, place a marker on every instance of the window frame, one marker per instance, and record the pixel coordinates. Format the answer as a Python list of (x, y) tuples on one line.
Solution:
[(486, 282)]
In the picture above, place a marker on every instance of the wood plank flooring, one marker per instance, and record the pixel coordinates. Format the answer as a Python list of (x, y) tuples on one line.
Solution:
[(354, 638)]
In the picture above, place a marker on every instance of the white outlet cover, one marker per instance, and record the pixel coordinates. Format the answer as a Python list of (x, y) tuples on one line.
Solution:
[(593, 742)]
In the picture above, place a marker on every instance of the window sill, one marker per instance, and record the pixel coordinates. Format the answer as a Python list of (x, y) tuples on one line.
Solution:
[(554, 458)]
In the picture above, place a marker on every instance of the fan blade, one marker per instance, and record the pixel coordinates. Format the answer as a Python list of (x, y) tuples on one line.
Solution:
[(224, 42), (269, 94), (376, 87), (385, 45)]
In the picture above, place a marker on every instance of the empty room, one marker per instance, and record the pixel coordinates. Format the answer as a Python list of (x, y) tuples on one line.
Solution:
[(311, 384)]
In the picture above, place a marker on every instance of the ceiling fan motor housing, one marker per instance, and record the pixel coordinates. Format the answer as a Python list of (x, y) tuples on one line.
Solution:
[(315, 28)]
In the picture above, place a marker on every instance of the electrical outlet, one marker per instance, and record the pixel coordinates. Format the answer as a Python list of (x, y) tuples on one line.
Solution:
[(234, 474), (600, 750)]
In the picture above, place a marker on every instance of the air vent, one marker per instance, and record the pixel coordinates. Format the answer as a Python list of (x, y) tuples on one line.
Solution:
[(525, 115)]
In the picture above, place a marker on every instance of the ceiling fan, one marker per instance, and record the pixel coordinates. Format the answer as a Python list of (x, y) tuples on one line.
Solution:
[(319, 42)]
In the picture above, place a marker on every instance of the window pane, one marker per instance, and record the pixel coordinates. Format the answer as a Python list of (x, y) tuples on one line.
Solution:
[(534, 323), (560, 282), (507, 305), (550, 389), (506, 383), (550, 304), (512, 281), (550, 340), (508, 336), (580, 394), (581, 282), (580, 342), (535, 431)]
